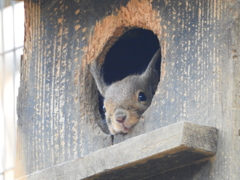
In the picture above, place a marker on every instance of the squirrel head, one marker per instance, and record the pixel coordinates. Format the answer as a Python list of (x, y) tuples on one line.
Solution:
[(126, 100)]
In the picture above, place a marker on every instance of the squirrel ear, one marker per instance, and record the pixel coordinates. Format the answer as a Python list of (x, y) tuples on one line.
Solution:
[(150, 74), (95, 70)]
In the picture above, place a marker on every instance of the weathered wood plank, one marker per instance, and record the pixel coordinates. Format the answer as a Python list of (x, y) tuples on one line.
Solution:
[(158, 151)]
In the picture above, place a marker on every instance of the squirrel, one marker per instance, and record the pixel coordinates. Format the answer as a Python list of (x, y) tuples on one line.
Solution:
[(126, 100)]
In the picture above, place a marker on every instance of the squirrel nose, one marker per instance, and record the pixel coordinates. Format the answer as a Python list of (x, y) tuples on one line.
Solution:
[(121, 119)]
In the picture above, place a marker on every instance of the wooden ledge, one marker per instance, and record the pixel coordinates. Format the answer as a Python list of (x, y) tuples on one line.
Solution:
[(158, 151)]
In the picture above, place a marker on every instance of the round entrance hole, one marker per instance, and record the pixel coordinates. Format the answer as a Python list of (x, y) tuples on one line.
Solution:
[(130, 54)]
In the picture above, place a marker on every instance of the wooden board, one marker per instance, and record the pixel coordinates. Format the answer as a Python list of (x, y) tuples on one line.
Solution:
[(158, 151)]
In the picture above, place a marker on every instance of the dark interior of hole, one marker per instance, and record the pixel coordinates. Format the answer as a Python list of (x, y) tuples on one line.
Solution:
[(131, 54)]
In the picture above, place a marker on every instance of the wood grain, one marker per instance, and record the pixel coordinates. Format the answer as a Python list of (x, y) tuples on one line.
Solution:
[(158, 151)]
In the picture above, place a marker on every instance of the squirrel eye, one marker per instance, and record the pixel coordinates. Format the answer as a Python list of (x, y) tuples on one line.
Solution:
[(142, 96), (104, 109)]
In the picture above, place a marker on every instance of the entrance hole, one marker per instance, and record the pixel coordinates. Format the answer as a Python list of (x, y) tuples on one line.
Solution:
[(130, 54)]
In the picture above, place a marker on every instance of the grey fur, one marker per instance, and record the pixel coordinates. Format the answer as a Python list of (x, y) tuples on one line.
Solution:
[(123, 107)]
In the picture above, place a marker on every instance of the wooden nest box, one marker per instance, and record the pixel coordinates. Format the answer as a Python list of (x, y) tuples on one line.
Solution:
[(190, 130)]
